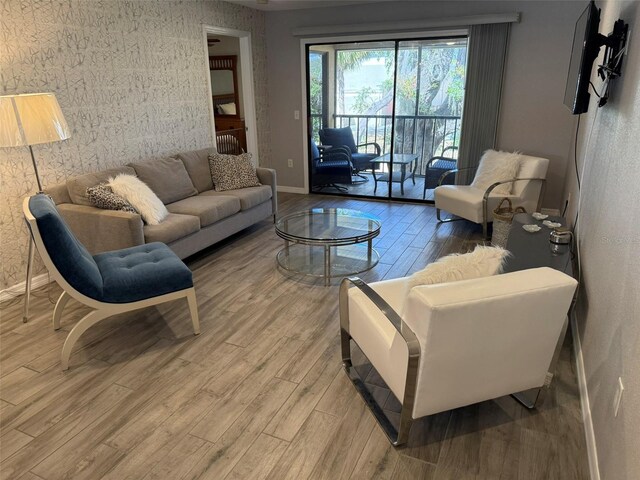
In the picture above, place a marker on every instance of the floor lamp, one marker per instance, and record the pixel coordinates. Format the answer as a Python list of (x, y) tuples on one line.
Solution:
[(27, 120)]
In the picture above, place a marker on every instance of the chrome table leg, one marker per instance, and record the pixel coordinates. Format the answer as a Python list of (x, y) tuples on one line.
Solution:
[(327, 265)]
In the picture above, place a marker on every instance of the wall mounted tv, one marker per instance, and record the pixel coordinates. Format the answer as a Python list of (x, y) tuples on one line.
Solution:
[(586, 47)]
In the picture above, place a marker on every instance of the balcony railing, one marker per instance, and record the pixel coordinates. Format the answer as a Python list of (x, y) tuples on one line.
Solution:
[(423, 135)]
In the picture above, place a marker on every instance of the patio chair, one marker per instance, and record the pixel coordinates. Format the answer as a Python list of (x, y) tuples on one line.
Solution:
[(343, 137), (109, 283), (473, 204), (329, 167), (440, 347), (436, 166)]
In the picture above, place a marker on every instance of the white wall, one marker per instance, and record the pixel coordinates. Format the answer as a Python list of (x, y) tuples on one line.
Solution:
[(609, 232), (533, 118)]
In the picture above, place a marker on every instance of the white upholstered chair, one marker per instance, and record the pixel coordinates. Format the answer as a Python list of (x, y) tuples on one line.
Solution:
[(449, 345), (476, 205)]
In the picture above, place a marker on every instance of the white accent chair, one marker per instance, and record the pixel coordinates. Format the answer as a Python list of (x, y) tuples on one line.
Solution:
[(476, 205), (449, 345)]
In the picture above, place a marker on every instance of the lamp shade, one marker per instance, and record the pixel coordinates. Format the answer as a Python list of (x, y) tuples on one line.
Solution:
[(31, 119)]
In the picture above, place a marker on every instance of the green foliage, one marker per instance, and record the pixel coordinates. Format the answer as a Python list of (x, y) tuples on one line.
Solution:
[(349, 60), (364, 100), (455, 91), (315, 78), (442, 74)]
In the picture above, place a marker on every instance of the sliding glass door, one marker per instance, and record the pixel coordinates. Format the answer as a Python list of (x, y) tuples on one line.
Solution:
[(384, 110), (429, 96)]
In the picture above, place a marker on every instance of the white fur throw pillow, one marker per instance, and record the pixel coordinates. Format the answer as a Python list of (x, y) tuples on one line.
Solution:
[(494, 167), (138, 194), (482, 262)]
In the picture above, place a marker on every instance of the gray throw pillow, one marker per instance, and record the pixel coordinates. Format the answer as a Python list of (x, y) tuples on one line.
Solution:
[(167, 177), (103, 196), (231, 172), (196, 162)]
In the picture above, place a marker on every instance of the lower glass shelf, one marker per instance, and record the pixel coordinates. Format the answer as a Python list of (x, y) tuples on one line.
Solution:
[(343, 260)]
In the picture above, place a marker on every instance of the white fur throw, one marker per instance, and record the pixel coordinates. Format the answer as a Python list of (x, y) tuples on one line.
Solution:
[(482, 262), (138, 194), (494, 167)]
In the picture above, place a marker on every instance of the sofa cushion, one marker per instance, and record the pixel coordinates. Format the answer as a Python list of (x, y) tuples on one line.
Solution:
[(466, 201), (249, 197), (209, 209), (196, 163), (167, 177), (142, 272), (172, 228), (78, 185)]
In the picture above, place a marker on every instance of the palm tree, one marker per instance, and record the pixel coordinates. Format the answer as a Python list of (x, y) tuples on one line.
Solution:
[(349, 60)]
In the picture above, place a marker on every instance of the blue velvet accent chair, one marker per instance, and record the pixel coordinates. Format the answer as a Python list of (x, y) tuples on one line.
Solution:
[(330, 167), (109, 283), (344, 137)]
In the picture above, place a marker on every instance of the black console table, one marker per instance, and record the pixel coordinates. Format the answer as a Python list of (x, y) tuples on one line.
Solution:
[(532, 250)]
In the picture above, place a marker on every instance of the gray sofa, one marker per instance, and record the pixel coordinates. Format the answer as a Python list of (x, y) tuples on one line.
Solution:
[(199, 216)]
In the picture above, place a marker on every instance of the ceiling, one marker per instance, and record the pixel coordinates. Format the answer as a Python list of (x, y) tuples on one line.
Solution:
[(274, 5)]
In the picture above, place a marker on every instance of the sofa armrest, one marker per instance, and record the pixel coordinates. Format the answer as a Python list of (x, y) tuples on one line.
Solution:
[(103, 230), (267, 176)]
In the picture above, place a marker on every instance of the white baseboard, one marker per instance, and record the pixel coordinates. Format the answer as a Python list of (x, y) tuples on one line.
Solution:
[(592, 451), (18, 289), (285, 189)]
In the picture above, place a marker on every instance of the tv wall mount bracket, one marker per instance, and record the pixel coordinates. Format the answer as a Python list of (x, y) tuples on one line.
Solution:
[(614, 44)]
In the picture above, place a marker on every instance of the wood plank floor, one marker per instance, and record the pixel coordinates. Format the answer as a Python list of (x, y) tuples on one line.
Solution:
[(260, 394)]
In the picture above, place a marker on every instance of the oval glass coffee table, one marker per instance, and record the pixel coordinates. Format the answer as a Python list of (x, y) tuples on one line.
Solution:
[(328, 242)]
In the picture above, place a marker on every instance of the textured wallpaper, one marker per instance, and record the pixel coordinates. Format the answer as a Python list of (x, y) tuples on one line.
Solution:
[(131, 80)]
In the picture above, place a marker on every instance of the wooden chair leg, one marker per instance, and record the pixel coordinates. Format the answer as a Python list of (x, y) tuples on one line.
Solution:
[(57, 312), (193, 308), (89, 320)]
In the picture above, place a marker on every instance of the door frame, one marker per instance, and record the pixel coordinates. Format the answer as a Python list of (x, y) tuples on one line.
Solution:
[(388, 36), (247, 85)]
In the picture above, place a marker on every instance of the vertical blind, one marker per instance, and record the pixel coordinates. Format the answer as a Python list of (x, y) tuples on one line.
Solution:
[(485, 66)]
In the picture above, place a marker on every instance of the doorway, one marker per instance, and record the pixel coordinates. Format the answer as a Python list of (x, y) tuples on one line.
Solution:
[(231, 92), (390, 111)]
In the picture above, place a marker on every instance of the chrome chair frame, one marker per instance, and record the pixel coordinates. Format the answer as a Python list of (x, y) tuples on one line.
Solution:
[(529, 398), (396, 436), (485, 198)]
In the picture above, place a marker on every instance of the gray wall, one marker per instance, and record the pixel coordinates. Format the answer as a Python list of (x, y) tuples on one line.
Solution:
[(533, 118), (609, 231)]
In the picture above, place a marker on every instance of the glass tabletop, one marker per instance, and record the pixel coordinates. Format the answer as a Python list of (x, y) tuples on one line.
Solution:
[(332, 226), (398, 158)]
